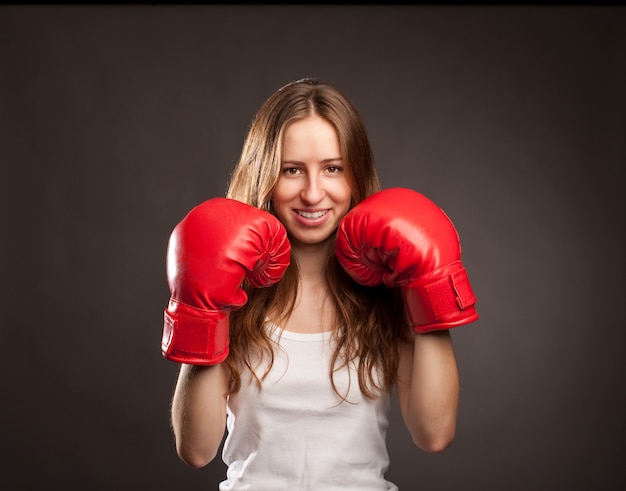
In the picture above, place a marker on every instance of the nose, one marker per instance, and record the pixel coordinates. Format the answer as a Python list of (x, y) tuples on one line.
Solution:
[(313, 190)]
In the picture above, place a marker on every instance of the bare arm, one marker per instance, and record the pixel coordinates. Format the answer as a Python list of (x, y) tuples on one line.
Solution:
[(428, 390), (199, 412)]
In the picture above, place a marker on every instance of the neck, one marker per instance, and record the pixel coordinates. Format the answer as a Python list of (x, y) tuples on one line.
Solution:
[(313, 310), (312, 260)]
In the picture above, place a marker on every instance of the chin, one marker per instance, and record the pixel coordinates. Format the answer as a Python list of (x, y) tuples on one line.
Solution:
[(311, 241)]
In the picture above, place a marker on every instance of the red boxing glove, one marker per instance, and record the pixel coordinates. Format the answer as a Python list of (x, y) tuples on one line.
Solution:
[(211, 251), (402, 239)]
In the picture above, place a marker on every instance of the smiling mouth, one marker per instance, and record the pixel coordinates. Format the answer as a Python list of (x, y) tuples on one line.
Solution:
[(312, 214)]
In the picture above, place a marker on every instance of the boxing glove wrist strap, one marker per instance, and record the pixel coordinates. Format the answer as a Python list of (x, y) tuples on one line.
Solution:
[(441, 299), (194, 336)]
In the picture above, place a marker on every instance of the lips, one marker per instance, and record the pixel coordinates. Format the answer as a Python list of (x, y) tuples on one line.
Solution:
[(312, 215), (312, 218)]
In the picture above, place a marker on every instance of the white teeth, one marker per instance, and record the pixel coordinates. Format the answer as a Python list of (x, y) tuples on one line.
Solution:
[(315, 214)]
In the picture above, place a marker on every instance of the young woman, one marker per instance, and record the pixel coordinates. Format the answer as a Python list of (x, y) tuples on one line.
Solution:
[(303, 298)]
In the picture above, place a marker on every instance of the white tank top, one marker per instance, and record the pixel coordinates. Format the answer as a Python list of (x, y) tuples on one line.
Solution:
[(297, 435)]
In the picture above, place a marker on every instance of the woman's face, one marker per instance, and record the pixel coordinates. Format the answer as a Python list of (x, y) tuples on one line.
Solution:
[(312, 194)]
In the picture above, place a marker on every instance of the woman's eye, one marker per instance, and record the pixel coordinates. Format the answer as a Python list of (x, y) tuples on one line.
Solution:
[(334, 169), (290, 171)]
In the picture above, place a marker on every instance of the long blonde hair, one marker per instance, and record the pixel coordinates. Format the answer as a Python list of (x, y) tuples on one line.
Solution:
[(373, 319)]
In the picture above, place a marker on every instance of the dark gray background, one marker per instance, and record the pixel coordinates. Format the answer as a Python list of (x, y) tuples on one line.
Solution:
[(115, 121)]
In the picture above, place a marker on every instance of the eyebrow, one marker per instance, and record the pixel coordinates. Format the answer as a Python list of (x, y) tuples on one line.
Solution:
[(324, 161)]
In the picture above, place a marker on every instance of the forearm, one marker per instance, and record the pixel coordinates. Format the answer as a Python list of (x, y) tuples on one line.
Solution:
[(199, 412), (431, 400)]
